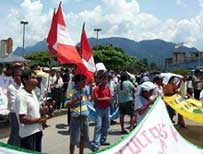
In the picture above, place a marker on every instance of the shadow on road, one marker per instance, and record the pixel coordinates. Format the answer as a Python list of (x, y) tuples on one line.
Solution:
[(64, 132), (61, 126), (114, 132)]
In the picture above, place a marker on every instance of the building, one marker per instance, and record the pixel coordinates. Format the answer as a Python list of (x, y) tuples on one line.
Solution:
[(6, 47), (188, 60)]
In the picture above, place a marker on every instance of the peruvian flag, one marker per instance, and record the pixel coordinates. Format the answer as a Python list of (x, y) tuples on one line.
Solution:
[(52, 36), (65, 47), (86, 52)]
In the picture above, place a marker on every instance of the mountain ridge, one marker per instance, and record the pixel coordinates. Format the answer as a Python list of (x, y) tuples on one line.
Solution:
[(155, 50)]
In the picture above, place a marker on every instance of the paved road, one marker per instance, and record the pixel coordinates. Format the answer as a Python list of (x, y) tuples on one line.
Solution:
[(56, 137)]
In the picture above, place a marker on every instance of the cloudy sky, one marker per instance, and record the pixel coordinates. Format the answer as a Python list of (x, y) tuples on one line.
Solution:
[(170, 20)]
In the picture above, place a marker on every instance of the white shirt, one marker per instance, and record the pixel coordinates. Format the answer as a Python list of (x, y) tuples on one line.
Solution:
[(51, 82), (12, 91), (26, 103), (158, 91), (58, 83), (140, 101), (111, 86), (54, 83)]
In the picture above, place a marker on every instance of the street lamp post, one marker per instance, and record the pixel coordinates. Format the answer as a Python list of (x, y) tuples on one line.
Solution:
[(97, 30), (24, 23), (199, 58)]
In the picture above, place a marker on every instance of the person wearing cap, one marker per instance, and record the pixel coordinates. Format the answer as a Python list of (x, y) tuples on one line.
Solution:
[(144, 98), (102, 99), (100, 69)]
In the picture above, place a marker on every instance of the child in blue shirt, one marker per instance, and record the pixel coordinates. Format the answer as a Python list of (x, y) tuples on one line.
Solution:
[(79, 133)]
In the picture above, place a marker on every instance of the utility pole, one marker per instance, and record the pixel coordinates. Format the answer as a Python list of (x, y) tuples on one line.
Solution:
[(24, 23), (97, 30)]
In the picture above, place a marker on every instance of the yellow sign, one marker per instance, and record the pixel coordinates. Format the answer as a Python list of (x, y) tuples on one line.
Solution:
[(189, 108)]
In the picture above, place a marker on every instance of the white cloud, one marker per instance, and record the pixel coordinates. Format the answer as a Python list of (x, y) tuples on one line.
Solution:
[(116, 18), (201, 4), (182, 3), (37, 28)]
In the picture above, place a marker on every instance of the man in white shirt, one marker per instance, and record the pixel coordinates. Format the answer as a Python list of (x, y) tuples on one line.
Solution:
[(27, 108), (57, 90), (12, 91)]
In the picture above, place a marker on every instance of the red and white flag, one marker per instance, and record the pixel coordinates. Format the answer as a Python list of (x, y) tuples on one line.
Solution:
[(52, 36), (66, 50), (65, 47), (86, 52)]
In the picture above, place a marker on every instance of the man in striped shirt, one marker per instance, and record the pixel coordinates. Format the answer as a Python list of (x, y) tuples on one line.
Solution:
[(79, 133)]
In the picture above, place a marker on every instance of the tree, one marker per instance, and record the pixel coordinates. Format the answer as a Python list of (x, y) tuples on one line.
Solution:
[(40, 57), (181, 71), (112, 57)]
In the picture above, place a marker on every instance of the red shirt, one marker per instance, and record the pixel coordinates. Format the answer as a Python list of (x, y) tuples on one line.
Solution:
[(99, 92)]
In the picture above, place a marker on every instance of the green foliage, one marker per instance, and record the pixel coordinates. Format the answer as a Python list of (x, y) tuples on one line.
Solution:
[(113, 58), (40, 57), (181, 71), (141, 65)]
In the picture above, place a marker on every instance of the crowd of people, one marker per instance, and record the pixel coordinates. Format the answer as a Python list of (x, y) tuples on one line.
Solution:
[(36, 93)]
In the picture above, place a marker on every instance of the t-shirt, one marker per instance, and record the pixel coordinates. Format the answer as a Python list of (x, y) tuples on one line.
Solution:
[(28, 104), (12, 90), (125, 95), (158, 91), (140, 101), (79, 108), (100, 93)]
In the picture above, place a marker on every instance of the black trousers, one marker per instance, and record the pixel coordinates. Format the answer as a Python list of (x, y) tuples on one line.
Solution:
[(197, 94), (171, 112), (32, 142)]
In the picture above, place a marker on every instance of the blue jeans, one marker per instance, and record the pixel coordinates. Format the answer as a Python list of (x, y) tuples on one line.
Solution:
[(102, 122), (79, 128)]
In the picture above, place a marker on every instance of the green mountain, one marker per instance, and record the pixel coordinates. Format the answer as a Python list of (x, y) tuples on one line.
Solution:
[(154, 50)]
